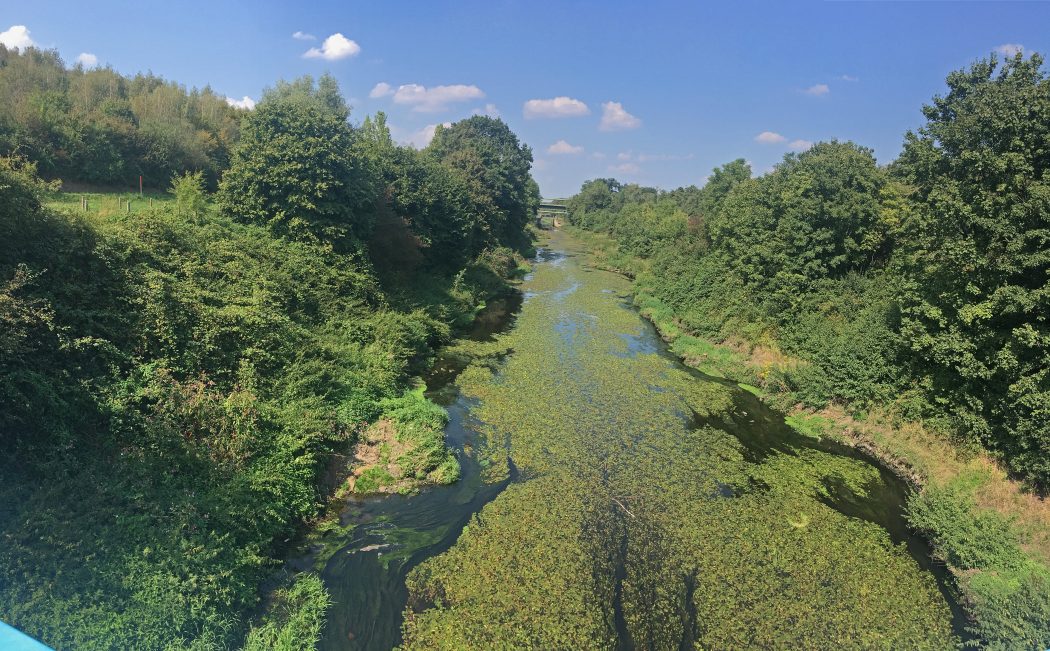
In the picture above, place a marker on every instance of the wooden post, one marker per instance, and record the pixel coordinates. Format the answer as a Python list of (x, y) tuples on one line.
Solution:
[(140, 185), (151, 202), (129, 206)]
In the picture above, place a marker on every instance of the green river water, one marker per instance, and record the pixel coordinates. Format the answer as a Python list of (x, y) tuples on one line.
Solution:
[(614, 499)]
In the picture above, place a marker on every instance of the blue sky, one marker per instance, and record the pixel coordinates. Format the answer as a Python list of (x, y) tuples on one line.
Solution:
[(656, 92)]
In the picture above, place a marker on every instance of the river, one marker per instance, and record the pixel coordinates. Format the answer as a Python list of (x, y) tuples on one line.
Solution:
[(613, 498)]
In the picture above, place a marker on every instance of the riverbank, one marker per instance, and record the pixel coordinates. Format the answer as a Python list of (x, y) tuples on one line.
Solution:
[(297, 601), (992, 534)]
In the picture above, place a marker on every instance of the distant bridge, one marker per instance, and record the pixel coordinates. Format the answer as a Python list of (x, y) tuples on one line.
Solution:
[(553, 210)]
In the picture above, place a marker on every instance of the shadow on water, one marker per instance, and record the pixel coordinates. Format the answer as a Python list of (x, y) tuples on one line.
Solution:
[(763, 432), (393, 534)]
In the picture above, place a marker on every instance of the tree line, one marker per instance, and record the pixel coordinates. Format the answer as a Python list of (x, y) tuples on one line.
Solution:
[(922, 284), (99, 127)]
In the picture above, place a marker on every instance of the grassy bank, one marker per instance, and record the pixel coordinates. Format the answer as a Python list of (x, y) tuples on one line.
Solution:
[(177, 386), (992, 534)]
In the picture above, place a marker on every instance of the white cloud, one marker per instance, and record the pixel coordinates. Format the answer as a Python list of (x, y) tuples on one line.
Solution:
[(769, 138), (87, 59), (16, 36), (816, 90), (382, 89), (557, 107), (615, 118), (244, 102), (430, 100), (418, 139), (625, 168), (800, 144), (849, 78), (562, 147), (303, 36), (623, 155), (489, 110), (598, 155), (333, 48), (422, 138), (1009, 49)]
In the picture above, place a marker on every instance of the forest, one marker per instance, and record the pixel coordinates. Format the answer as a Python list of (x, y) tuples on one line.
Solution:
[(917, 290), (173, 381)]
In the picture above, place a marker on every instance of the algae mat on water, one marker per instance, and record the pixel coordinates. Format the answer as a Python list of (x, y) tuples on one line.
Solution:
[(640, 521)]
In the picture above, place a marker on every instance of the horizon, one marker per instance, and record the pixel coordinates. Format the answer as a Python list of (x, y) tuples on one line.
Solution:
[(662, 120)]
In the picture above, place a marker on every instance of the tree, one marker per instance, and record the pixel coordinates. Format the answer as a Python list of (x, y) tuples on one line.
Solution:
[(495, 166), (594, 196), (721, 182), (810, 220), (701, 204), (294, 169), (977, 257), (188, 191)]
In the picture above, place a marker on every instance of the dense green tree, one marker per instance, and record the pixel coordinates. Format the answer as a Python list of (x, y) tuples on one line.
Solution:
[(594, 196), (708, 201), (294, 168), (495, 166), (421, 194), (977, 256), (186, 372), (814, 217)]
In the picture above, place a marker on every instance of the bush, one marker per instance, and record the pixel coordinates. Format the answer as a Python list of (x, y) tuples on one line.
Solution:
[(295, 620), (1007, 592)]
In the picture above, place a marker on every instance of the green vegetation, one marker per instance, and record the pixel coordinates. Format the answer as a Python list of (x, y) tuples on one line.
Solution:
[(174, 380), (107, 203), (917, 289), (974, 263), (101, 128), (295, 619), (1008, 591), (642, 520)]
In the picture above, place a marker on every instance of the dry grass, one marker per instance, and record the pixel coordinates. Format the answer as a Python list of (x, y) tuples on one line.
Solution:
[(1032, 513)]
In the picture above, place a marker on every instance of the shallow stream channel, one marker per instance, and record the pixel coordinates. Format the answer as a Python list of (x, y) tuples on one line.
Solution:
[(612, 498)]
